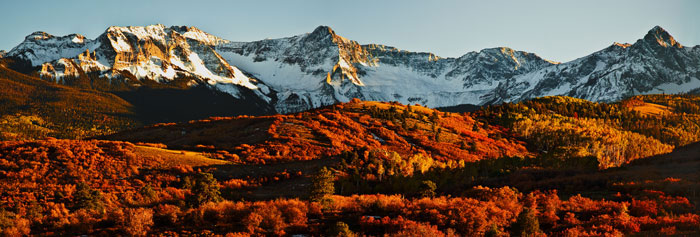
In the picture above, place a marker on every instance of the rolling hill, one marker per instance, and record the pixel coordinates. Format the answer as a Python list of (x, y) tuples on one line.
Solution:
[(331, 130)]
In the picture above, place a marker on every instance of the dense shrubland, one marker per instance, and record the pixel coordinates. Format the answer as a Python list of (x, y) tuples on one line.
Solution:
[(548, 166), (69, 187), (329, 131)]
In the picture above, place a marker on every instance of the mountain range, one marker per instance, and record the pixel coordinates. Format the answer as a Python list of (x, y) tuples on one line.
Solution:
[(321, 68), (135, 133)]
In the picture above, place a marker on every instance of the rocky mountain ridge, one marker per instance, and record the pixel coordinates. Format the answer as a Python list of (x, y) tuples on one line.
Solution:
[(321, 68)]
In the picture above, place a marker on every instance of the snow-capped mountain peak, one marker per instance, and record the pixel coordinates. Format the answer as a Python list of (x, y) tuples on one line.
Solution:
[(657, 63), (321, 67), (153, 52), (38, 35), (40, 47), (320, 33), (661, 37)]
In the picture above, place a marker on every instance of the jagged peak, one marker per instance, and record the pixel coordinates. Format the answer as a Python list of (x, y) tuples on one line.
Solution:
[(38, 35), (322, 33), (184, 29), (498, 50), (131, 28), (197, 34), (139, 31), (159, 31), (658, 28), (77, 38), (622, 45), (661, 37), (510, 53), (323, 30)]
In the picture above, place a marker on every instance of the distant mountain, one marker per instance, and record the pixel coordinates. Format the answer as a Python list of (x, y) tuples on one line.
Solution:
[(322, 68), (145, 53), (654, 64), (149, 67)]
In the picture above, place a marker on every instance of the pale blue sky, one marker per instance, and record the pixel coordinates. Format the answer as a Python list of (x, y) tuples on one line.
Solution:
[(556, 30)]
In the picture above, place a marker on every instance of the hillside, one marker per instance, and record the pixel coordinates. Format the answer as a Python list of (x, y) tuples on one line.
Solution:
[(32, 108), (612, 133), (558, 130), (332, 130)]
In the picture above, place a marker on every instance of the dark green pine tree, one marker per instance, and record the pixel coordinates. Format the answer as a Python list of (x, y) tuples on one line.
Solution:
[(427, 189), (526, 224), (87, 198), (204, 188), (322, 185)]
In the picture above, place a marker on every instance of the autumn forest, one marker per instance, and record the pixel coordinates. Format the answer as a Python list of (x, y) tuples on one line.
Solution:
[(83, 161)]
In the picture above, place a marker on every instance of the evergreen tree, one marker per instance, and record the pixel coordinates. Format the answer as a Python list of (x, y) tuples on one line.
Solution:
[(526, 224), (87, 198), (322, 185), (434, 117), (148, 192), (428, 189), (340, 229), (204, 188), (493, 231)]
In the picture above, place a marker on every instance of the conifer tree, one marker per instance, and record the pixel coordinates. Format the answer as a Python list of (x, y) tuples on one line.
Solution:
[(322, 185)]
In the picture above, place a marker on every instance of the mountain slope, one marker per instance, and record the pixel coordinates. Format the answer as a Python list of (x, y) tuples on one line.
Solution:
[(330, 131), (64, 187), (34, 108), (612, 133), (558, 131), (653, 65), (136, 55), (310, 70)]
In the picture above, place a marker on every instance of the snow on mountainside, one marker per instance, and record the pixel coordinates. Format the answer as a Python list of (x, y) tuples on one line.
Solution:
[(40, 47), (321, 68), (654, 64), (152, 52), (310, 70)]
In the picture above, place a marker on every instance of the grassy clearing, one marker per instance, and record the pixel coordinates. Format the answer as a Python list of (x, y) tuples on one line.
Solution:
[(653, 109), (172, 158)]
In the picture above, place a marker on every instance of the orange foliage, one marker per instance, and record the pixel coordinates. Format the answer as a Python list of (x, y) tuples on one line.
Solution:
[(331, 130)]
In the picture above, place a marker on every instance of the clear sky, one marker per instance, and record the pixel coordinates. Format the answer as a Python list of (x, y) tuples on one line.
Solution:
[(558, 30)]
